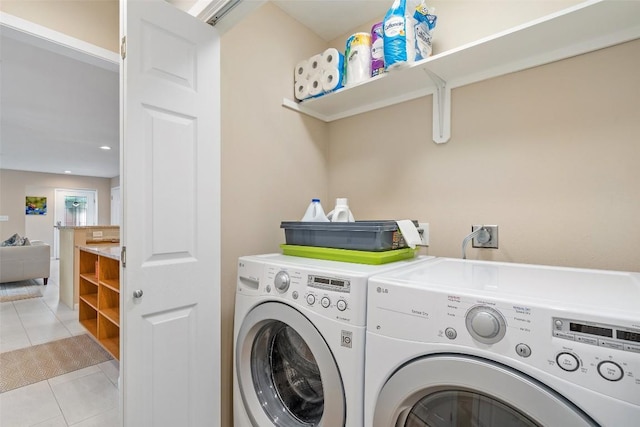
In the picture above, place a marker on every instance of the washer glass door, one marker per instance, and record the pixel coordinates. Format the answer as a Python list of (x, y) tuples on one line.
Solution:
[(286, 372)]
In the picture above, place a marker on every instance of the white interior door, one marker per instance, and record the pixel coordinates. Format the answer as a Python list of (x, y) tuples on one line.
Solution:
[(170, 171)]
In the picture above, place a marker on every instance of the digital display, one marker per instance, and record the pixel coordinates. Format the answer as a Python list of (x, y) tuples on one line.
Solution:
[(331, 284), (592, 330), (628, 336)]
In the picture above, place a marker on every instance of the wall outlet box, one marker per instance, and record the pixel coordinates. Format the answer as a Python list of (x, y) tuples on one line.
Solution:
[(4, 218), (97, 234), (424, 235)]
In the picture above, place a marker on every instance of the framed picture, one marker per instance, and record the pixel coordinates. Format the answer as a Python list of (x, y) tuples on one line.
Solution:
[(36, 205)]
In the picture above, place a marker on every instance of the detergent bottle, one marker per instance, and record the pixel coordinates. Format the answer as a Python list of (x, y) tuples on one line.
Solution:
[(314, 212), (341, 213)]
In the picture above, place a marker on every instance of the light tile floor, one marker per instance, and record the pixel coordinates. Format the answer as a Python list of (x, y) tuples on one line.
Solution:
[(84, 398)]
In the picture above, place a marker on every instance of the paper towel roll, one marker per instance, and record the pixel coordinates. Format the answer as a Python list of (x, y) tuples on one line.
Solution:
[(301, 88), (332, 58), (315, 85), (331, 79), (315, 65), (377, 49), (301, 71), (358, 58)]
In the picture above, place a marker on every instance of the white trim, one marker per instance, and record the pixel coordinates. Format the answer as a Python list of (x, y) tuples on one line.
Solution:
[(54, 41)]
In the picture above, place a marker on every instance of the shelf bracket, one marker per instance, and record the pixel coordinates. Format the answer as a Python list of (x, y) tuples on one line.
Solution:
[(441, 109)]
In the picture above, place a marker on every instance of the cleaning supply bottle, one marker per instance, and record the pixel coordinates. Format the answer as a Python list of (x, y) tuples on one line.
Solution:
[(314, 212), (341, 213)]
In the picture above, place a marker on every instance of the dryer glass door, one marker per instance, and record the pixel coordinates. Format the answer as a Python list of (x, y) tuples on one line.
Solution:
[(453, 390), (286, 372), (464, 408)]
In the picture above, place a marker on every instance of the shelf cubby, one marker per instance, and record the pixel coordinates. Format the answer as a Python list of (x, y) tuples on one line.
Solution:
[(99, 308)]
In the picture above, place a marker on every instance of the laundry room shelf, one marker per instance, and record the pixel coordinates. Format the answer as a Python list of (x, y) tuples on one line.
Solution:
[(583, 28)]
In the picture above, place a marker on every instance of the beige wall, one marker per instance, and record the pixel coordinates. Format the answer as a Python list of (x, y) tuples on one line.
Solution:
[(273, 159), (94, 21), (16, 185), (549, 154)]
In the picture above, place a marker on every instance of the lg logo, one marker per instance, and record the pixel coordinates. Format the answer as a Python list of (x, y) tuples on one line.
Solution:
[(382, 290), (347, 338)]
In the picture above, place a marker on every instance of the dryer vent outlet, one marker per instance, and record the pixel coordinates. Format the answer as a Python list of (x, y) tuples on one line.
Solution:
[(486, 239)]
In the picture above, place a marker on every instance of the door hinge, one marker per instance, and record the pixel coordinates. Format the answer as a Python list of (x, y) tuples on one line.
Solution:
[(123, 256), (123, 47)]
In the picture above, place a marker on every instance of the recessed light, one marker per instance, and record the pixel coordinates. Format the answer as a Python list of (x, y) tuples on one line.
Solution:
[(67, 171), (105, 147)]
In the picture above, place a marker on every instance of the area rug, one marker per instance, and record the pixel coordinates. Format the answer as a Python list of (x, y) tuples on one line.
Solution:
[(15, 291), (25, 366)]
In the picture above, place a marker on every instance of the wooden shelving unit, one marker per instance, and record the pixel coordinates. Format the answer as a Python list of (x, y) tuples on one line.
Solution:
[(99, 309)]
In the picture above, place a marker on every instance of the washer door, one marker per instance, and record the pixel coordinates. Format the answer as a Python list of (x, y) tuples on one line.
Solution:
[(457, 391), (286, 372)]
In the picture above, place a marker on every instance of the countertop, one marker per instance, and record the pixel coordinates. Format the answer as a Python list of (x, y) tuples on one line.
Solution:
[(85, 227), (107, 250)]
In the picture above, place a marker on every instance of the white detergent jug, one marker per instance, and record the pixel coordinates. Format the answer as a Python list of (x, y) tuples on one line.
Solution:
[(314, 212), (341, 212)]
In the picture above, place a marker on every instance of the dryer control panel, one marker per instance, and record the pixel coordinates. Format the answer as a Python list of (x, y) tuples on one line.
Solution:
[(598, 334), (589, 350)]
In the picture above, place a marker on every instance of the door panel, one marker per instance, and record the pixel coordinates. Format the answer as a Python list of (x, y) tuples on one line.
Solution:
[(171, 209)]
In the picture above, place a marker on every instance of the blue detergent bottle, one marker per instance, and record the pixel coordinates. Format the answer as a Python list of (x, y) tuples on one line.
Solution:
[(395, 35)]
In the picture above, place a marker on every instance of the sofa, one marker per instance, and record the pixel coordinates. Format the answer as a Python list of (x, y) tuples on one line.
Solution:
[(25, 262)]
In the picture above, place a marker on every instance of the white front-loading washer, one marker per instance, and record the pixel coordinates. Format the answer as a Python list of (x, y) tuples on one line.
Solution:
[(469, 343), (299, 341)]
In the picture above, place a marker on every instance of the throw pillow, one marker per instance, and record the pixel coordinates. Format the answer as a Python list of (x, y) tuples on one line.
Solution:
[(16, 240), (11, 241)]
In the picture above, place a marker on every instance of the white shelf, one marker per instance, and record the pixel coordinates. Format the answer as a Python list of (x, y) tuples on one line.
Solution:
[(586, 27)]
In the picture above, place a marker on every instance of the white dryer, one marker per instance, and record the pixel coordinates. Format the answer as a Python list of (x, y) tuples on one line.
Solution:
[(299, 341), (471, 343)]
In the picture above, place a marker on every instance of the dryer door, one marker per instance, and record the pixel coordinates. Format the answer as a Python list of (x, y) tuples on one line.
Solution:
[(458, 390), (286, 373)]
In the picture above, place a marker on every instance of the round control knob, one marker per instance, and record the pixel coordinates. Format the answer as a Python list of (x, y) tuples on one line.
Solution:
[(450, 333), (610, 371), (325, 301), (568, 362), (558, 324), (311, 299), (282, 281), (485, 324), (341, 304)]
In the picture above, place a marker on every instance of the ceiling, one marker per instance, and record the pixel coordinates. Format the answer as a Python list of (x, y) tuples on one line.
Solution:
[(334, 18), (57, 110)]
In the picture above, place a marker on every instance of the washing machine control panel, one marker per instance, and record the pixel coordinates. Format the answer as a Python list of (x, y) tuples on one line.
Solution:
[(336, 296)]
